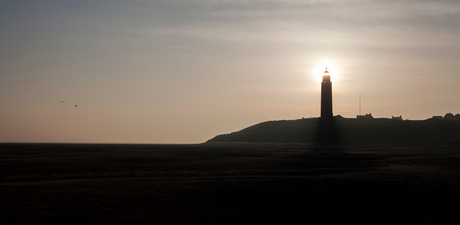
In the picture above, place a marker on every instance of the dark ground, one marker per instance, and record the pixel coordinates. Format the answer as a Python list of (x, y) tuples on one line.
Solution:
[(218, 184)]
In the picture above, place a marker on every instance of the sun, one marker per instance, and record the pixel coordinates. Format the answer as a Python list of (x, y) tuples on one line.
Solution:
[(320, 67)]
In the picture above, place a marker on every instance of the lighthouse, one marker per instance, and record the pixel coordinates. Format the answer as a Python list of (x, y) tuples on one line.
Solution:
[(326, 95)]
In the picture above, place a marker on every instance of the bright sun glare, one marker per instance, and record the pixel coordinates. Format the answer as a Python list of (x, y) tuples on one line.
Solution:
[(331, 67)]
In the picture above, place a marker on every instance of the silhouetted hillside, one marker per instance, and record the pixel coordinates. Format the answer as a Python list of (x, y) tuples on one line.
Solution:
[(345, 131)]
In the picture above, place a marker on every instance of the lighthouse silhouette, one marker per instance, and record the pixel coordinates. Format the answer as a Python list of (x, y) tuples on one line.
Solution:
[(326, 96)]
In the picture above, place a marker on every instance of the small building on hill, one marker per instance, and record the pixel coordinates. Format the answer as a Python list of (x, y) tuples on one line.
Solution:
[(396, 118), (449, 116), (367, 116)]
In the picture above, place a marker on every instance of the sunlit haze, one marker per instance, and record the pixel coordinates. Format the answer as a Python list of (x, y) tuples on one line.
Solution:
[(184, 71), (332, 68)]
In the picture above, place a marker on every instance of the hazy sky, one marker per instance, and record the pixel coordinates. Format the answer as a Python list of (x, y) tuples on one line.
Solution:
[(172, 71)]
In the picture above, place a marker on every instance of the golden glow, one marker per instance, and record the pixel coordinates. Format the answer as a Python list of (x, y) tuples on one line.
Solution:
[(331, 67)]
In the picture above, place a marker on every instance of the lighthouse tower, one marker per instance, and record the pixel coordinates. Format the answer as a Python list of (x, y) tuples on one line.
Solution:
[(326, 95)]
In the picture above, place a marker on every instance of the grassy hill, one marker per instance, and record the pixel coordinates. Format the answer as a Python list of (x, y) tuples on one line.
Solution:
[(349, 132)]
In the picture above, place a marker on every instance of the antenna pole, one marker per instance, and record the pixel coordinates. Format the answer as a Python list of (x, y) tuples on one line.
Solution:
[(359, 104)]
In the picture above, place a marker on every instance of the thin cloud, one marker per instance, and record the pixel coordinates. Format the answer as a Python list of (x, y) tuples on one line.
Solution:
[(418, 77), (377, 24)]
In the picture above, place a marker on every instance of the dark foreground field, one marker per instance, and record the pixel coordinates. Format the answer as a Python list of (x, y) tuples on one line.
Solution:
[(217, 184)]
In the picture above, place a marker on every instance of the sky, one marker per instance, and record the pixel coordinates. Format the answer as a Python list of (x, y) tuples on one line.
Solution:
[(172, 71)]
